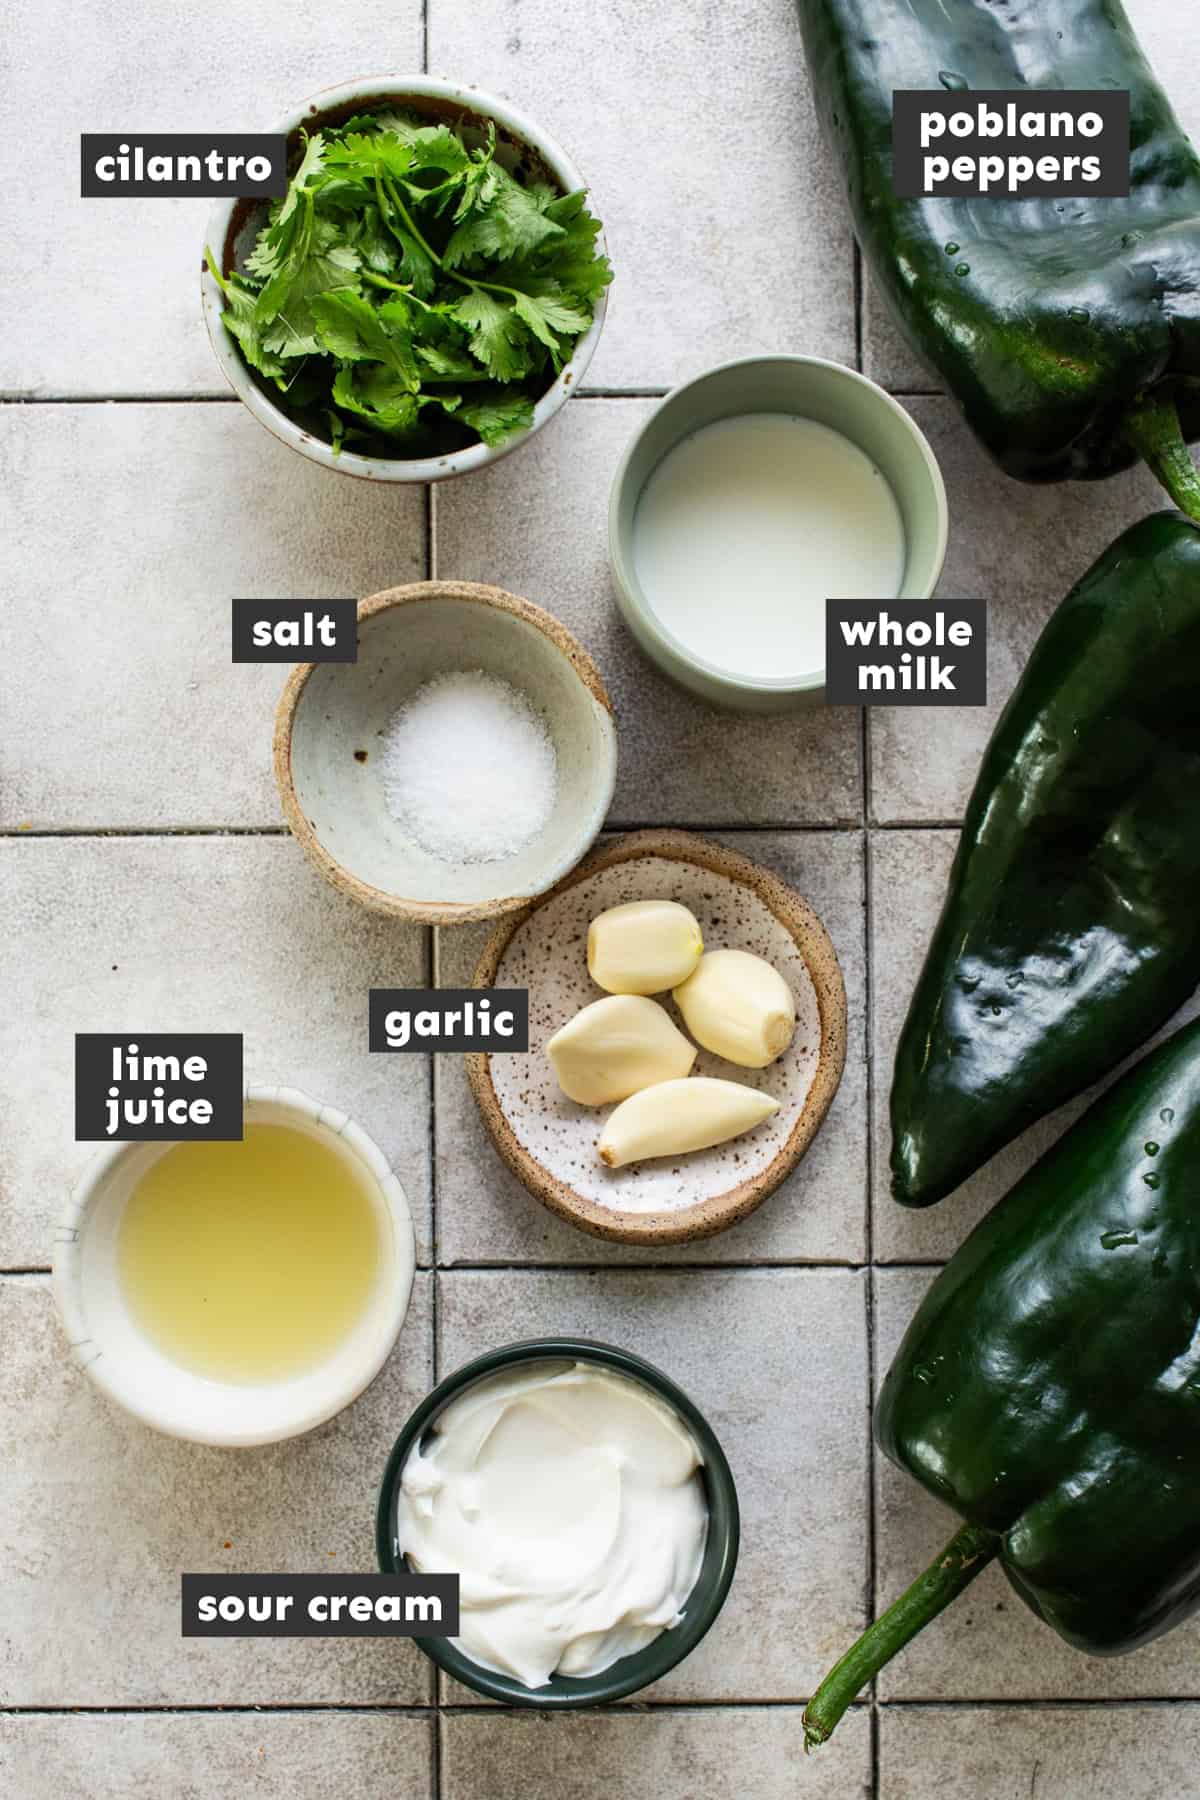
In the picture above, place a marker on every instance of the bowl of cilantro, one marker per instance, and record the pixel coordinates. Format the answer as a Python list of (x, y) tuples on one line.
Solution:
[(425, 296)]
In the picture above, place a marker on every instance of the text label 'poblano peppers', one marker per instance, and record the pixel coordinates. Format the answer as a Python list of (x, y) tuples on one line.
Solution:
[(1068, 330), (1071, 929), (1049, 1387)]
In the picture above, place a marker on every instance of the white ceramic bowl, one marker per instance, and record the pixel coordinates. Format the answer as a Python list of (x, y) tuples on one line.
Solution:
[(807, 387), (129, 1369), (331, 718), (234, 224)]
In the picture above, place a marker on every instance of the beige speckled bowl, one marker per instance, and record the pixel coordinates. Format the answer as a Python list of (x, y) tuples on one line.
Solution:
[(549, 1142), (331, 718)]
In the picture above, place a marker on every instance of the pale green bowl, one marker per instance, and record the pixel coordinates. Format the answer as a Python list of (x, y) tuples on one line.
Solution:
[(806, 387)]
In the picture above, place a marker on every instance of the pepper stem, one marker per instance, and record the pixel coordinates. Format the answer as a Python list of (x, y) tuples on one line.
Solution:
[(1152, 427), (966, 1555)]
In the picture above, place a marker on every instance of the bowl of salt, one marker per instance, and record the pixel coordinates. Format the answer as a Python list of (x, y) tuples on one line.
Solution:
[(460, 767)]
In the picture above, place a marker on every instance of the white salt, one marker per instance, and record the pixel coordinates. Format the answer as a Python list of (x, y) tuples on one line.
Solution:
[(469, 769)]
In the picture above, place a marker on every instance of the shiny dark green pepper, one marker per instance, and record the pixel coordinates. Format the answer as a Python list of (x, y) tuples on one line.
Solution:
[(1071, 928), (1048, 1389), (1068, 330)]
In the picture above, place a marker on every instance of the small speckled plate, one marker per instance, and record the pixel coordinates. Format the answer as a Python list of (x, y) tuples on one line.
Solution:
[(550, 1143)]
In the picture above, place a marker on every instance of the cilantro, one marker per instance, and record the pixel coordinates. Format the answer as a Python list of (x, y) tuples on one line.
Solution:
[(410, 287)]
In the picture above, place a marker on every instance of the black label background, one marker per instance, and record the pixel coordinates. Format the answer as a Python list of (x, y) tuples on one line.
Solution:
[(442, 1000), (247, 613), (306, 1587), (1112, 145), (93, 146), (222, 1050)]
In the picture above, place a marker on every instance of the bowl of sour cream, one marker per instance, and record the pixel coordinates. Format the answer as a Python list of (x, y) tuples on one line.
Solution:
[(587, 1508), (750, 497)]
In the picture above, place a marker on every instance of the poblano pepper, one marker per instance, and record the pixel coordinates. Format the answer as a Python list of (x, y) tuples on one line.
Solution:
[(1071, 929), (1048, 1389), (1068, 330)]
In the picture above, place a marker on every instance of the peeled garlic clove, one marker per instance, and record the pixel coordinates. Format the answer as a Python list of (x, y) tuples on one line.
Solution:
[(643, 947), (616, 1046), (738, 1007), (677, 1116)]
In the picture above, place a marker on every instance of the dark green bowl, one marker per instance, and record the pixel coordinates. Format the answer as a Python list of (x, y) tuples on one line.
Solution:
[(720, 1552)]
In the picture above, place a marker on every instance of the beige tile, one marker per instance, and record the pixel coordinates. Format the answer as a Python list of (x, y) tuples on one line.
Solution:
[(127, 321), (190, 934), (100, 1516), (130, 530), (485, 1215), (886, 356), (1021, 548), (988, 1645), (755, 1753), (183, 1756), (715, 188), (776, 1360), (1078, 1753), (536, 523), (909, 870)]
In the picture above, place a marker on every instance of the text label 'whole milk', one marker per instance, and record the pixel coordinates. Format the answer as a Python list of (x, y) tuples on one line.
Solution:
[(905, 653)]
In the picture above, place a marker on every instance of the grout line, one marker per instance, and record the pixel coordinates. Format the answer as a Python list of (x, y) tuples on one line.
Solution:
[(857, 279), (213, 399), (726, 828), (229, 399), (142, 831), (432, 979), (417, 1710), (781, 1266), (849, 823)]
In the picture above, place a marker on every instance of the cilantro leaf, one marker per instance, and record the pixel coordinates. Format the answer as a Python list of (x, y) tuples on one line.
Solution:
[(410, 286), (499, 338), (380, 396), (275, 244), (548, 317), (326, 266), (448, 364), (240, 322), (512, 221), (355, 331), (498, 417)]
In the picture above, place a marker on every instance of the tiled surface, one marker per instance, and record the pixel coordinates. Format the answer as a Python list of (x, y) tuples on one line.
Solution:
[(235, 1756), (692, 175), (908, 871), (1021, 548), (671, 1755), (118, 281), (988, 1645), (819, 1215), (1110, 1753), (537, 523), (144, 881), (190, 934), (99, 1515), (130, 529), (733, 1340)]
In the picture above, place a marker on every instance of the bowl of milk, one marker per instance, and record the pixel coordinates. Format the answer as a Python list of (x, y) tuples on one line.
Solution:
[(750, 497)]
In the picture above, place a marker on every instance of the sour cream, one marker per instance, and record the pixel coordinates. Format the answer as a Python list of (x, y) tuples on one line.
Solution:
[(569, 1501)]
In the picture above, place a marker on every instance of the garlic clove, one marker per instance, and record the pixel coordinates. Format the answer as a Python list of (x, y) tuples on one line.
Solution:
[(739, 1007), (615, 1047), (643, 947), (677, 1116)]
